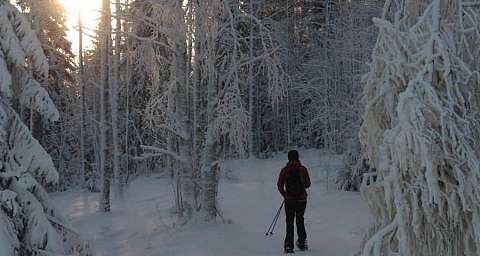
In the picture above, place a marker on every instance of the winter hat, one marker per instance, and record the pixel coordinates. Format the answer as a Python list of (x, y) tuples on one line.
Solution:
[(293, 155)]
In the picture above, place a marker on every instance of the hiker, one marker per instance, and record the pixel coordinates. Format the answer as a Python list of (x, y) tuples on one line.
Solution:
[(292, 184)]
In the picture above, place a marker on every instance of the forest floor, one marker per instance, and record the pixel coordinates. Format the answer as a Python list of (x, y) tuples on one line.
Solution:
[(142, 225)]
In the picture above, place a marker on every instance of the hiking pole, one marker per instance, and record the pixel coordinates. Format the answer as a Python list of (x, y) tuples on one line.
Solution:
[(274, 222), (271, 224), (276, 219)]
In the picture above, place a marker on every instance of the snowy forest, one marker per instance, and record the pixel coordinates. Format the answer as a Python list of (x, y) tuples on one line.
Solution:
[(160, 127)]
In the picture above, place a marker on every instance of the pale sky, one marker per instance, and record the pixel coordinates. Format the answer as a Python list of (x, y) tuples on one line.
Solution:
[(90, 18)]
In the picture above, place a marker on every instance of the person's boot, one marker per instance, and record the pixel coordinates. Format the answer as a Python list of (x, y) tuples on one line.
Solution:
[(288, 249), (302, 246)]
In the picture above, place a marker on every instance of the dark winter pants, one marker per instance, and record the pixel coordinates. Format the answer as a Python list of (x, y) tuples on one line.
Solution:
[(295, 210)]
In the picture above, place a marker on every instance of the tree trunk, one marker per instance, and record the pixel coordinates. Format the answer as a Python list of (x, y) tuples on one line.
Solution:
[(113, 87), (105, 45), (251, 89), (82, 98)]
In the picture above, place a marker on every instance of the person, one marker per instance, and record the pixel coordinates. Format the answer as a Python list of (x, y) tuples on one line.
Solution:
[(292, 184)]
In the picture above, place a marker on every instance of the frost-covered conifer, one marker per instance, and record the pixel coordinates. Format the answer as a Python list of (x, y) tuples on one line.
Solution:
[(29, 222), (59, 139)]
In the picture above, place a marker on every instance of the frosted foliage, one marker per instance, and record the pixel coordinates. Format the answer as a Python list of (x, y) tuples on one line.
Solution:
[(34, 96), (30, 184), (29, 222), (20, 47), (231, 115), (223, 59), (7, 201), (8, 240), (39, 233), (21, 152), (25, 166), (8, 38), (19, 40), (5, 78), (29, 41), (421, 130), (232, 120), (156, 114)]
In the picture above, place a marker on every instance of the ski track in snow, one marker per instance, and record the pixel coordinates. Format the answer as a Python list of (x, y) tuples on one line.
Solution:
[(141, 225)]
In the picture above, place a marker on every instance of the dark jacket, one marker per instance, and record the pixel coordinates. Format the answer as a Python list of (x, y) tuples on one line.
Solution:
[(282, 179)]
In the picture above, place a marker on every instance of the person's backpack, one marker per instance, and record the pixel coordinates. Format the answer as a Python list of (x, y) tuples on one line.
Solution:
[(294, 184)]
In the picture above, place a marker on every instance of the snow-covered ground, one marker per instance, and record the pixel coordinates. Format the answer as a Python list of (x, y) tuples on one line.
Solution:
[(143, 226)]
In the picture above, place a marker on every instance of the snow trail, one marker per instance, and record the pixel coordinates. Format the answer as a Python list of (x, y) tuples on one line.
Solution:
[(142, 225)]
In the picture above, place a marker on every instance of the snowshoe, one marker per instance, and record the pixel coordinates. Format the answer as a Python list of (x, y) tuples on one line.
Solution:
[(302, 246)]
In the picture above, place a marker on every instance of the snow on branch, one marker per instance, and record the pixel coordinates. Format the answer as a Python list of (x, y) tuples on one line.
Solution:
[(29, 41), (19, 46), (375, 241), (8, 240), (38, 228), (5, 78), (23, 153), (471, 4), (229, 54), (232, 120), (421, 132), (25, 166), (9, 41), (159, 152), (33, 95)]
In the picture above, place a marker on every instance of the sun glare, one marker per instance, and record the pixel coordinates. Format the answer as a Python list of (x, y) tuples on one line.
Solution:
[(90, 12)]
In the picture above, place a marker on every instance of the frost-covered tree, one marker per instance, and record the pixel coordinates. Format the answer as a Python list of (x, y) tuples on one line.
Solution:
[(92, 152), (30, 222), (270, 123), (59, 139), (197, 58), (103, 81), (161, 52), (421, 130), (324, 46), (225, 56), (332, 47)]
